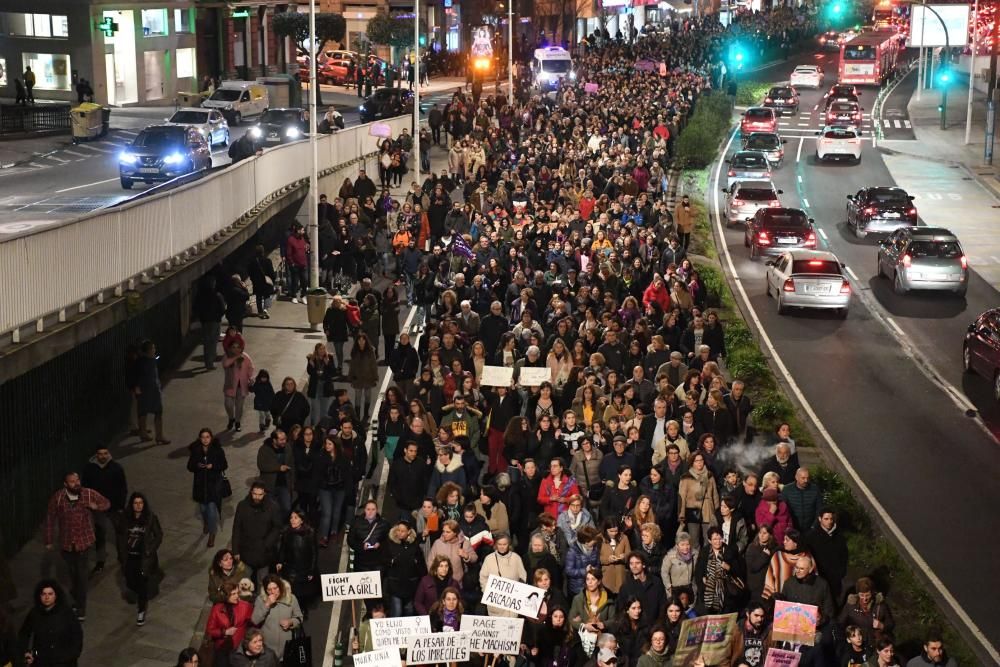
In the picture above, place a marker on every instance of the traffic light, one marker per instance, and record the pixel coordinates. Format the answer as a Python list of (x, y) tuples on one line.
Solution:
[(944, 78), (837, 11), (423, 40), (737, 56)]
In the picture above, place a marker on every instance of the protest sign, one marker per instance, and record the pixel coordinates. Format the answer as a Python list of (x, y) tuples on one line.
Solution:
[(533, 377), (395, 632), (494, 634), (383, 130), (512, 596), (778, 657), (351, 586), (591, 87), (385, 657), (438, 647), (706, 637), (497, 376), (795, 622)]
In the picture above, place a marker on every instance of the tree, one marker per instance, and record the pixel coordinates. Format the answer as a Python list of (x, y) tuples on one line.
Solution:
[(329, 28), (392, 31)]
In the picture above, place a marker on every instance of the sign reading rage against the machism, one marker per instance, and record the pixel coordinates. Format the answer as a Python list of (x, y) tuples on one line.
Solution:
[(512, 596), (385, 657), (438, 647), (351, 586), (794, 622), (494, 634), (395, 632)]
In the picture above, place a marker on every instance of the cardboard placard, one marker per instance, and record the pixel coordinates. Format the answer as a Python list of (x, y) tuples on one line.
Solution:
[(497, 376), (779, 657), (512, 596), (494, 634), (351, 586), (707, 637), (591, 87), (383, 130), (384, 657), (795, 622), (534, 377), (395, 632), (438, 647)]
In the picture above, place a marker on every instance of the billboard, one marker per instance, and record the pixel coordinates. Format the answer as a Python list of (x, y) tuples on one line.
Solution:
[(482, 42), (926, 28)]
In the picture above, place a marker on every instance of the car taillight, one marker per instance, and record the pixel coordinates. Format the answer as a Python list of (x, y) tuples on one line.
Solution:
[(731, 173), (912, 211), (907, 260), (965, 262), (767, 100), (811, 240), (738, 202), (845, 287), (762, 239), (774, 203), (789, 285), (870, 211)]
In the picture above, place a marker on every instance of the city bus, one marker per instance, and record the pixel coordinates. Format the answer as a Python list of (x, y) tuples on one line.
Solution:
[(869, 58)]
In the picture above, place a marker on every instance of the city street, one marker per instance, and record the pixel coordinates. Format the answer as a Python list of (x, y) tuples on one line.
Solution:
[(886, 384)]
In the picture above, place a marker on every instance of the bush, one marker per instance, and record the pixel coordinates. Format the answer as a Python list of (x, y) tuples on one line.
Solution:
[(751, 93), (699, 140)]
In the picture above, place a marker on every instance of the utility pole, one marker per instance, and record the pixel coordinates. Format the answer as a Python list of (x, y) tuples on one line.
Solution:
[(972, 72), (510, 52), (416, 85), (313, 180)]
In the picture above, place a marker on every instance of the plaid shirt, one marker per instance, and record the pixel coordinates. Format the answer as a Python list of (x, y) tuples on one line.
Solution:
[(76, 525)]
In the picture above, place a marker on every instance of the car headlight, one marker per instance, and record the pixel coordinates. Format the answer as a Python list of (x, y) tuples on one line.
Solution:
[(128, 158), (256, 133), (173, 158), (293, 133), (361, 108)]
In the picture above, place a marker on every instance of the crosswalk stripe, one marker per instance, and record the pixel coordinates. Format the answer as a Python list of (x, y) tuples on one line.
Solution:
[(75, 153), (95, 148), (885, 122), (897, 124), (57, 159), (906, 124)]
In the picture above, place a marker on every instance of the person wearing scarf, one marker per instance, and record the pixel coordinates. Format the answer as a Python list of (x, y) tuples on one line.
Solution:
[(658, 654)]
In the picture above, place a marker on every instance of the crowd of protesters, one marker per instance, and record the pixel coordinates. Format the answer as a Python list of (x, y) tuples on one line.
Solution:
[(548, 242)]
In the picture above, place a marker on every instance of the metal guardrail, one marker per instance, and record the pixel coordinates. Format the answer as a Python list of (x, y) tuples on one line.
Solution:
[(15, 118), (82, 260)]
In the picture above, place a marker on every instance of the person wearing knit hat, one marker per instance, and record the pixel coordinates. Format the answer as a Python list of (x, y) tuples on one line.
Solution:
[(773, 512)]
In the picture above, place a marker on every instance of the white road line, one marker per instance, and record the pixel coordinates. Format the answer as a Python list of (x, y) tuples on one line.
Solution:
[(895, 327), (884, 515), (132, 132), (76, 154), (815, 107), (803, 124), (823, 234), (805, 202), (851, 273), (39, 166), (799, 177), (885, 121), (906, 124), (798, 153), (57, 159), (95, 148), (896, 124), (87, 185)]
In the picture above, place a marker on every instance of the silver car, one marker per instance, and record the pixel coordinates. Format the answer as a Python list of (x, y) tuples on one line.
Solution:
[(210, 122), (747, 197), (768, 143), (928, 258), (808, 279), (748, 166)]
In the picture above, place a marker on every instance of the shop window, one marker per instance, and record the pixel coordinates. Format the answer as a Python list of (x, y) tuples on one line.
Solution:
[(182, 20), (154, 22), (33, 25), (60, 25), (186, 63), (42, 24), (52, 70), (3, 72)]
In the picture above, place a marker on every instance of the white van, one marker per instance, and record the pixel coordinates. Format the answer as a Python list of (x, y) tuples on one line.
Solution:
[(238, 100), (550, 65)]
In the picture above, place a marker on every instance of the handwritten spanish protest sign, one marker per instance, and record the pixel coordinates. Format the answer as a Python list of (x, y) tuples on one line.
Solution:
[(385, 657), (513, 596), (351, 586), (794, 622), (497, 376), (534, 377), (395, 632), (494, 634), (706, 637), (779, 657), (438, 647)]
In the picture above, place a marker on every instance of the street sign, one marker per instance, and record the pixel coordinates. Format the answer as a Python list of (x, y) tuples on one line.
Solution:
[(240, 14), (513, 596)]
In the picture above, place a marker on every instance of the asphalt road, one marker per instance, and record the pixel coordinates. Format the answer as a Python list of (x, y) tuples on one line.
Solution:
[(886, 383)]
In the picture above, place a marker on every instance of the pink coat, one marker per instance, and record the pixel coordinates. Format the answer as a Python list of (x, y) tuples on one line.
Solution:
[(779, 522), (238, 376)]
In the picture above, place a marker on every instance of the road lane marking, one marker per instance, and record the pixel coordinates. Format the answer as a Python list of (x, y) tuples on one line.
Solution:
[(76, 154), (885, 121), (793, 386), (823, 234), (815, 107), (798, 154), (799, 177), (896, 124), (805, 202), (89, 147), (906, 124), (852, 274), (57, 159), (895, 327), (87, 185), (39, 166)]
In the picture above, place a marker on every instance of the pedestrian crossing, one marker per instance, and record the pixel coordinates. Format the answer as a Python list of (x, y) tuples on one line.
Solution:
[(896, 123)]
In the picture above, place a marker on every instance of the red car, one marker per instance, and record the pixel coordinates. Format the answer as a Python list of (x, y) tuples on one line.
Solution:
[(759, 119), (981, 349)]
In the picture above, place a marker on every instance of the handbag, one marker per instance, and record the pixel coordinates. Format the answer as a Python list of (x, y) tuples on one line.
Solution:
[(693, 515), (225, 488), (734, 585), (206, 652), (298, 650)]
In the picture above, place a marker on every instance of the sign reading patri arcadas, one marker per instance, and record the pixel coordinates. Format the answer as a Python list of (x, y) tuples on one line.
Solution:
[(493, 634), (351, 586), (438, 647), (513, 596)]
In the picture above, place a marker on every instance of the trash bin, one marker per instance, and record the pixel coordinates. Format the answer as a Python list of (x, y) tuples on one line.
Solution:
[(283, 90), (316, 302), (87, 122), (189, 99), (105, 120)]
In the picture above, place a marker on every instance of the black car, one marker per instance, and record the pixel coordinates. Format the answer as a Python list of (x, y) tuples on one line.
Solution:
[(386, 103), (841, 92), (782, 99), (281, 126), (163, 152), (772, 231), (880, 210)]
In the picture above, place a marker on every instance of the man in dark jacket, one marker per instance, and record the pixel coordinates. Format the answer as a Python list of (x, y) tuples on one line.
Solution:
[(404, 363), (243, 148), (645, 586), (783, 463), (107, 477), (739, 406), (408, 478), (364, 187), (367, 537), (435, 118), (829, 547), (807, 587), (277, 469), (492, 327), (804, 499), (209, 307), (256, 529), (417, 432)]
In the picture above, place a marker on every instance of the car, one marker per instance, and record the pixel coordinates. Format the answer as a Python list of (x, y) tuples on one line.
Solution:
[(745, 198), (748, 166), (830, 40), (771, 231), (981, 348), (848, 90), (237, 100), (210, 122), (808, 279), (838, 142), (806, 76), (782, 99), (844, 113), (880, 210), (929, 258), (281, 126), (163, 152), (759, 119), (386, 103), (768, 143)]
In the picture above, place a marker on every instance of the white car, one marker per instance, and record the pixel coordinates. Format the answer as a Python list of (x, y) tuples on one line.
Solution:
[(838, 142), (210, 122), (746, 197), (808, 279), (808, 76)]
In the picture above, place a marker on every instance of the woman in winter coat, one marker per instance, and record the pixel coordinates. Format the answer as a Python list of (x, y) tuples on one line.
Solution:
[(698, 499), (868, 609), (503, 562), (592, 606), (290, 406), (336, 329), (236, 296), (305, 452), (585, 469), (619, 498), (715, 561), (228, 622), (677, 570), (773, 512), (390, 320), (276, 612), (758, 559), (663, 498), (364, 374), (782, 565), (658, 654), (51, 632), (630, 630), (297, 558), (227, 570), (447, 611), (333, 479), (615, 548), (262, 277), (538, 558), (322, 372), (493, 510), (583, 555), (371, 320), (432, 585), (207, 461), (455, 546), (139, 538), (254, 652), (404, 568), (239, 375)]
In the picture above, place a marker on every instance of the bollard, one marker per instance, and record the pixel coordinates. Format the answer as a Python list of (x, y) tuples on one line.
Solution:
[(338, 652)]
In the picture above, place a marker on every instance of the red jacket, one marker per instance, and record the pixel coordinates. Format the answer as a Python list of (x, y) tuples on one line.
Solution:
[(658, 295), (548, 492), (295, 251), (587, 207), (779, 522), (219, 622)]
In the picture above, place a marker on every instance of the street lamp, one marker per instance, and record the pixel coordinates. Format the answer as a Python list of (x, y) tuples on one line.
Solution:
[(313, 176), (510, 52), (416, 85)]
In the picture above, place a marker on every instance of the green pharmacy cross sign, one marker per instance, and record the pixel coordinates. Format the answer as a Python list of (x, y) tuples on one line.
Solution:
[(108, 26)]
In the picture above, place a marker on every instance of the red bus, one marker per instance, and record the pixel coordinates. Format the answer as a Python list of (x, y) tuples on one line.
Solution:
[(869, 58)]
